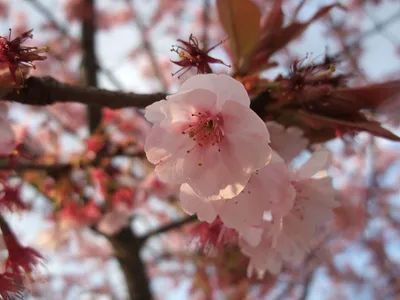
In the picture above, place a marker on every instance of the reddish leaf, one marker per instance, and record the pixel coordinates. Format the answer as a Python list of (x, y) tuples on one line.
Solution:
[(370, 96), (295, 29), (274, 20), (276, 37), (241, 21), (373, 127)]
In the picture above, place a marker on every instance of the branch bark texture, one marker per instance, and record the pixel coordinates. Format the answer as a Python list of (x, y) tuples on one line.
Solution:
[(127, 251), (41, 91)]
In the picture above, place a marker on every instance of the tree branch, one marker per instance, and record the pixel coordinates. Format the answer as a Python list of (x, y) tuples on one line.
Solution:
[(41, 91), (168, 227), (21, 167), (307, 286), (89, 60), (127, 251)]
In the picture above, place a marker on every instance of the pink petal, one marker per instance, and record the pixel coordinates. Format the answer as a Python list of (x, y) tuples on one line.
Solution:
[(252, 235), (215, 175), (171, 170), (8, 139), (247, 208), (277, 188), (262, 258), (224, 86), (181, 106), (156, 112), (288, 142), (246, 136), (320, 190), (162, 142), (192, 204), (319, 161), (294, 241)]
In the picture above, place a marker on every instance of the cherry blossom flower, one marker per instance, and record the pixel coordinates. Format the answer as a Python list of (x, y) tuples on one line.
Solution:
[(207, 136), (268, 191), (287, 239)]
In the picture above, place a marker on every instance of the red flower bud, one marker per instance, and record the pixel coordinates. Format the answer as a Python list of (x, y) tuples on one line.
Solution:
[(193, 56), (17, 58)]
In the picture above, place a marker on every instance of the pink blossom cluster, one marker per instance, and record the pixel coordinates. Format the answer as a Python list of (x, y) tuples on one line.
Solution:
[(207, 139)]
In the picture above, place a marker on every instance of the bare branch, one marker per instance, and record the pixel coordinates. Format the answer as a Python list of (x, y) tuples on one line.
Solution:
[(168, 227), (307, 285), (127, 251), (21, 167), (89, 60), (41, 91)]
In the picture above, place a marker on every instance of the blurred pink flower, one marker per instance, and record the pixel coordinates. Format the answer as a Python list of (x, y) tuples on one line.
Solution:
[(213, 236), (207, 136), (268, 191), (116, 219)]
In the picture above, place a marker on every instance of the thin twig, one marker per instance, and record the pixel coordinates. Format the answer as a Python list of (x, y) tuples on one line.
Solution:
[(168, 227), (147, 45), (206, 22), (89, 60), (64, 31)]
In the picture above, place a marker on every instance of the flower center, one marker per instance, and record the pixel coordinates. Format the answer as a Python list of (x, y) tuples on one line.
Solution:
[(205, 129)]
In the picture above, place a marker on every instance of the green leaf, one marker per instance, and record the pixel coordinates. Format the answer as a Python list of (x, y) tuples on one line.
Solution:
[(241, 21)]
